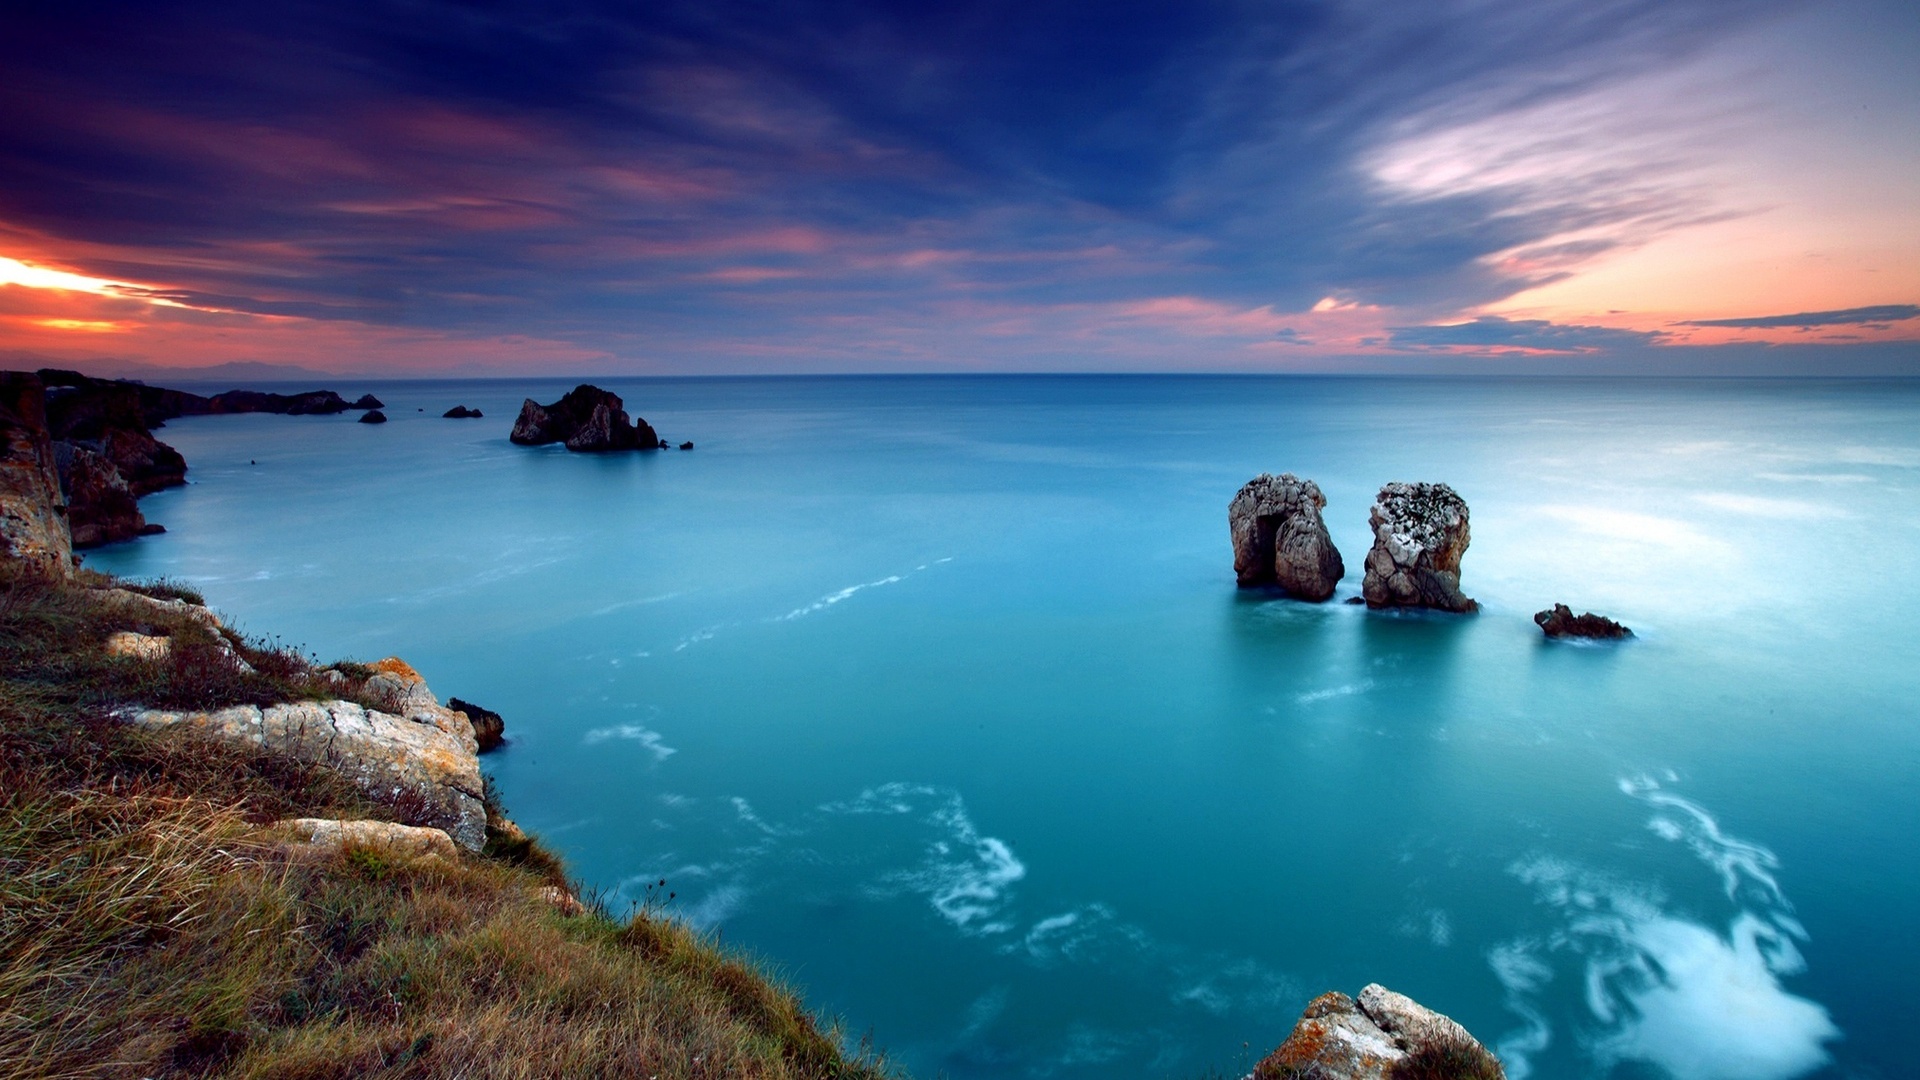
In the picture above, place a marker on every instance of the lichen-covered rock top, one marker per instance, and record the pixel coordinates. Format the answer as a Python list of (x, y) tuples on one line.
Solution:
[(1279, 537), (1381, 1036), (1420, 534)]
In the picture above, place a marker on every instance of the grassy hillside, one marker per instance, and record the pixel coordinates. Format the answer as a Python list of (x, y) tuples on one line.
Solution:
[(151, 925)]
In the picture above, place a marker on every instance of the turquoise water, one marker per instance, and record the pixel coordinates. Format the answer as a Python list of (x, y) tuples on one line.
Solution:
[(937, 693)]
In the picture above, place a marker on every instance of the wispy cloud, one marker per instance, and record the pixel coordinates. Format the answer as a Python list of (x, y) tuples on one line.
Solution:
[(1879, 313), (1494, 332)]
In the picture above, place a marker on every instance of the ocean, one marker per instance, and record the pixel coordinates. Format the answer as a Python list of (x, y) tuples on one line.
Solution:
[(937, 695)]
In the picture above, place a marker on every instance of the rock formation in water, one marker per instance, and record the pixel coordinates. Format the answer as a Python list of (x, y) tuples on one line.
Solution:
[(368, 401), (588, 419), (415, 747), (1560, 621), (461, 412), (33, 525), (373, 416), (1382, 1036), (101, 506), (489, 728), (1280, 539), (1419, 534)]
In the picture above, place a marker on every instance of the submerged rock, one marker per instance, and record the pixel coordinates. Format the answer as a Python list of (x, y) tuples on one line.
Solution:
[(1280, 539), (489, 728), (1560, 621), (33, 525), (373, 416), (414, 747), (1382, 1036), (461, 412), (588, 420), (1419, 535)]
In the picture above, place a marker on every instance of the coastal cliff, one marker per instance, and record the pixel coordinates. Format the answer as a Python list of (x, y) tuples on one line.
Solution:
[(224, 859)]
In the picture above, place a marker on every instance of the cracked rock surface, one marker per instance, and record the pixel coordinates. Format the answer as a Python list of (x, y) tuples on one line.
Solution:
[(1279, 537), (1419, 536)]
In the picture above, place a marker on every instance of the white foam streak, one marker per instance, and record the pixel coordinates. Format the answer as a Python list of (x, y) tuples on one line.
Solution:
[(648, 739), (831, 599), (1666, 990)]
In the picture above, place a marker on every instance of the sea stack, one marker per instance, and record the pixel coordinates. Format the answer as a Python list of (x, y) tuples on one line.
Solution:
[(1419, 535), (1382, 1036), (588, 420), (1280, 539)]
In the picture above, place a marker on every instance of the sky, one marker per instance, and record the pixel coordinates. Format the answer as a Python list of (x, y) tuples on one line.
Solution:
[(429, 188)]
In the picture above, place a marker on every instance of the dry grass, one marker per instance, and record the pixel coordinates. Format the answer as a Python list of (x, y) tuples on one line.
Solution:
[(149, 929)]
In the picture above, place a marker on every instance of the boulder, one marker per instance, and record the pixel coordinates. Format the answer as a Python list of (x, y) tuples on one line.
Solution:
[(688, 445), (489, 727), (461, 412), (1419, 535), (373, 416), (33, 514), (330, 835), (1382, 1036), (1560, 621), (368, 401), (1280, 539), (415, 749), (588, 420)]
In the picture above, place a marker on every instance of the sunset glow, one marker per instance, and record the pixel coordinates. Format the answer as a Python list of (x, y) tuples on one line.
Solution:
[(1644, 186)]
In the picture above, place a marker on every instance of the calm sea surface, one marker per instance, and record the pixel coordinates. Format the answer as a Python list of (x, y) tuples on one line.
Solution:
[(937, 694)]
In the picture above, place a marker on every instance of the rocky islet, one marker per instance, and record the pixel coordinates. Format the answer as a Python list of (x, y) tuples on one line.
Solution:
[(587, 420)]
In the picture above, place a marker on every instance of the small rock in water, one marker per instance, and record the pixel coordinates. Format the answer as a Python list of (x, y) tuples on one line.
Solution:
[(686, 445), (373, 416), (461, 412), (368, 401), (1560, 621), (489, 729)]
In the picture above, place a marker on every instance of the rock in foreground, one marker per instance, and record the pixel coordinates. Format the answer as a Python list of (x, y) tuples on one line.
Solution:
[(588, 420), (1382, 1036), (420, 750), (1280, 539), (1560, 621), (1419, 535)]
